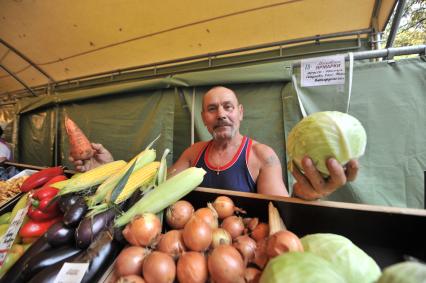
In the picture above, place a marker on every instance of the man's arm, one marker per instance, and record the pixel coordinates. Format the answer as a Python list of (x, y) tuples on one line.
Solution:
[(186, 159), (312, 186), (270, 179)]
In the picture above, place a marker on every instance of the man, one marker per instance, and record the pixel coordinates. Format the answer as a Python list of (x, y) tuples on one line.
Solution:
[(236, 162), (5, 152)]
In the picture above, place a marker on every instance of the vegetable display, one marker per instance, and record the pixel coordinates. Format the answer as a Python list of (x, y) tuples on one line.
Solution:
[(322, 135)]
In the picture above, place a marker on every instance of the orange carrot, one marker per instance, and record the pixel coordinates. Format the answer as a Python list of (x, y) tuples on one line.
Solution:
[(80, 147)]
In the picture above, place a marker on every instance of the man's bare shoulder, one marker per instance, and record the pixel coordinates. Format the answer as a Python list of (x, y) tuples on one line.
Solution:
[(265, 154), (192, 151)]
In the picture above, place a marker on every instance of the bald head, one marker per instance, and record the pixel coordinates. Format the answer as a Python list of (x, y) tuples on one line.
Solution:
[(216, 91)]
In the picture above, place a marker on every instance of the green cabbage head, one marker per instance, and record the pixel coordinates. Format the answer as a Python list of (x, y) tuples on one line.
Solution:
[(404, 272), (349, 260), (298, 267), (322, 135)]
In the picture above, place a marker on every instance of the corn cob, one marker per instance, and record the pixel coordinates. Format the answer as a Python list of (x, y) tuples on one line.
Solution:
[(139, 178), (143, 158), (164, 195), (276, 223), (92, 177)]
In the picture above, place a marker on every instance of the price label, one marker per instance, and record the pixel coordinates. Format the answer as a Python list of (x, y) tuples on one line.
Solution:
[(71, 272), (7, 240), (328, 70)]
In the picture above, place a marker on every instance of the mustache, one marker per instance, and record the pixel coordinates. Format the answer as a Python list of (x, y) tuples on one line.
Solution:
[(221, 124)]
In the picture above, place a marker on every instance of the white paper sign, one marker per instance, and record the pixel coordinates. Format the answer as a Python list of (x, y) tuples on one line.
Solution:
[(7, 240), (71, 272), (328, 70)]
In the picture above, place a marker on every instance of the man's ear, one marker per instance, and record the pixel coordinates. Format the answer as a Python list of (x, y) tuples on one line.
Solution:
[(240, 106)]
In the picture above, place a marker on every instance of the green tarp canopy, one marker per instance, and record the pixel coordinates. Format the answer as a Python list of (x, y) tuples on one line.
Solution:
[(387, 97)]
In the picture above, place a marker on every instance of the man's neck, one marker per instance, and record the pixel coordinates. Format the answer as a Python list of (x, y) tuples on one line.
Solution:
[(226, 144)]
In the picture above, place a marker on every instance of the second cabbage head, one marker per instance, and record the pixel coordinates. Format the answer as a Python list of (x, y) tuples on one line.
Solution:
[(322, 135)]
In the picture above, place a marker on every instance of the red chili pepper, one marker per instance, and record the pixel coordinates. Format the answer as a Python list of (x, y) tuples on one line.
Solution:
[(45, 192), (38, 215), (40, 178), (37, 228), (56, 179)]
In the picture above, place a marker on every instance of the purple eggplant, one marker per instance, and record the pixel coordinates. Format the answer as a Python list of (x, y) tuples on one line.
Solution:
[(47, 258), (90, 227), (59, 235), (75, 213), (48, 274), (15, 274), (68, 200), (100, 256)]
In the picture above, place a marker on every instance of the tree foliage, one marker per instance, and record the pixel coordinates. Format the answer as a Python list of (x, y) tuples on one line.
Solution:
[(412, 28)]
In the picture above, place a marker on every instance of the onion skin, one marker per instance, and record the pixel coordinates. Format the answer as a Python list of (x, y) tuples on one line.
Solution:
[(260, 255), (226, 265), (130, 261), (224, 207), (220, 237), (130, 279), (159, 267), (234, 225), (143, 230), (260, 232), (197, 235), (282, 242), (208, 215), (246, 246), (172, 244), (192, 268), (252, 275), (179, 213)]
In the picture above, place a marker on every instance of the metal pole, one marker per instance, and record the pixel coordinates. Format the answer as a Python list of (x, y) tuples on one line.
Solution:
[(226, 52), (16, 78), (389, 52), (395, 23), (26, 59)]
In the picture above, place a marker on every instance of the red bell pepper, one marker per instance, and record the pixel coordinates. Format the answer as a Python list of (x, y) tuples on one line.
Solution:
[(37, 228), (43, 206), (40, 178)]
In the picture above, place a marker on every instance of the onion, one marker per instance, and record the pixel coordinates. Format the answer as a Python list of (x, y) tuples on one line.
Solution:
[(260, 232), (171, 243), (159, 267), (252, 275), (221, 237), (260, 255), (282, 242), (226, 265), (192, 268), (225, 207), (208, 215), (246, 246), (179, 213), (130, 261), (143, 230), (252, 223), (234, 225), (131, 279), (197, 234)]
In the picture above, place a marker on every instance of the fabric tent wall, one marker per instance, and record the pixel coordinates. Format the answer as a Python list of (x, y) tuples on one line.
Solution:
[(387, 98)]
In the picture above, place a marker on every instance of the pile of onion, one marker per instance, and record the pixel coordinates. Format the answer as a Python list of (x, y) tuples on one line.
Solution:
[(198, 249)]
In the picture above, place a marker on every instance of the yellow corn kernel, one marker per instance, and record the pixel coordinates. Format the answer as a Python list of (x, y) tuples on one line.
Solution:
[(93, 177), (138, 178)]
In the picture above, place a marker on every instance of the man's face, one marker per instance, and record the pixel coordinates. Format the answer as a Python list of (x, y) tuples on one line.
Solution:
[(221, 113)]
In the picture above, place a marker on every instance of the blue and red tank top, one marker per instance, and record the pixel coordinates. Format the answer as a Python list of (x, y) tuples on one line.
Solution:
[(234, 175)]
